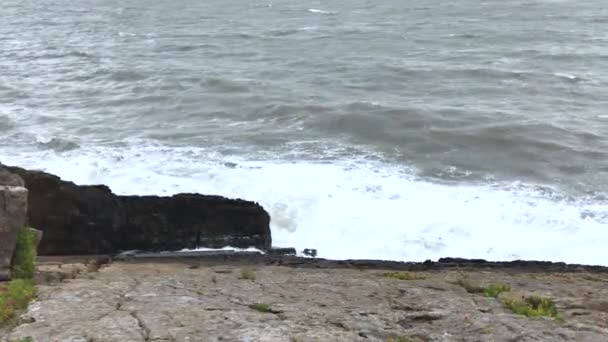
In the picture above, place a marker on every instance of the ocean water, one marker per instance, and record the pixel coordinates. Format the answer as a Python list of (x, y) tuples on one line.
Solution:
[(399, 130)]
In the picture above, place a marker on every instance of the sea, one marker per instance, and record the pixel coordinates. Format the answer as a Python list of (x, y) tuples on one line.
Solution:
[(386, 129)]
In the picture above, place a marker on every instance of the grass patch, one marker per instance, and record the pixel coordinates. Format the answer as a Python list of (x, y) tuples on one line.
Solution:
[(264, 308), (247, 273), (492, 290), (403, 339), (403, 276), (18, 293), (534, 306), (23, 262), (15, 296)]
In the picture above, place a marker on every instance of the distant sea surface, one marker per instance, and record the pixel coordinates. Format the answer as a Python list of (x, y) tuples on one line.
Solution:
[(404, 130)]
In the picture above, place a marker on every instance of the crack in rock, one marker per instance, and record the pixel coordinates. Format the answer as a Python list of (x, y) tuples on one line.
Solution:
[(145, 331), (200, 293)]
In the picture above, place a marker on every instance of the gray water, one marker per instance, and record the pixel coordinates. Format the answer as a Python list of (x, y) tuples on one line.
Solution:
[(464, 93)]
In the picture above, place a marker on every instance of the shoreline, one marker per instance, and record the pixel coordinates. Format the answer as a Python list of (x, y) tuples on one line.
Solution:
[(208, 258)]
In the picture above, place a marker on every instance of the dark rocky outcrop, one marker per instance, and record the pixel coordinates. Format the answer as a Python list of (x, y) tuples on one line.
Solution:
[(190, 220), (208, 258), (92, 220)]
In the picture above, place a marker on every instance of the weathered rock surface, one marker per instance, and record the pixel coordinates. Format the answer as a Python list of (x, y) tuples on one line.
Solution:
[(92, 220), (13, 213), (192, 300), (8, 178), (38, 234)]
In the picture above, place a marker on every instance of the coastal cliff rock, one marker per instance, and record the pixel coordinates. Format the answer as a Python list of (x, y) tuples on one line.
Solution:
[(13, 214), (92, 220), (210, 300), (190, 220)]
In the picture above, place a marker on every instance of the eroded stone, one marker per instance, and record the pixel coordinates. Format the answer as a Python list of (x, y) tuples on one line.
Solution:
[(13, 214)]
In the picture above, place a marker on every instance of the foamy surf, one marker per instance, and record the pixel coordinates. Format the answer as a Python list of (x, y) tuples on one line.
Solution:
[(568, 76), (226, 249), (355, 209), (314, 10)]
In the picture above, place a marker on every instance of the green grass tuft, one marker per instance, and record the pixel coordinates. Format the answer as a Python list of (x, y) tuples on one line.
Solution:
[(25, 339), (402, 339), (247, 273), (534, 306), (493, 290), (402, 276), (265, 308), (14, 296), (24, 258)]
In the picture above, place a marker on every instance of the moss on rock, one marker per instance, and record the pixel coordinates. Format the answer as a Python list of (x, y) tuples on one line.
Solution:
[(23, 263)]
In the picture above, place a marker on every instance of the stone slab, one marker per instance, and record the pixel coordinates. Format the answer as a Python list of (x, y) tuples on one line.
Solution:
[(13, 215)]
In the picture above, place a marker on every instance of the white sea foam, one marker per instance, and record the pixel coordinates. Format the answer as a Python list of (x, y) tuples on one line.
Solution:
[(567, 76), (314, 10), (308, 28), (227, 248), (354, 209)]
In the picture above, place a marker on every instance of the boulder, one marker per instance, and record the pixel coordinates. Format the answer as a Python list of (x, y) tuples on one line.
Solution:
[(37, 235), (8, 178), (93, 220), (13, 214)]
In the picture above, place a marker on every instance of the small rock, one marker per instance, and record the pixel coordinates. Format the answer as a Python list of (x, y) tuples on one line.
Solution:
[(310, 252), (281, 251)]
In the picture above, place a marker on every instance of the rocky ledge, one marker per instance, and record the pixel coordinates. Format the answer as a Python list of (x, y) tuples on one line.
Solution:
[(231, 299), (93, 220)]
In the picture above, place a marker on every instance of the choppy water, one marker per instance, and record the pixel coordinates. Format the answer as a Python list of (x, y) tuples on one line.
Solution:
[(371, 129)]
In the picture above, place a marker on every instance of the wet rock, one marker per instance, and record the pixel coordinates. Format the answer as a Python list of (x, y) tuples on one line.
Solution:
[(192, 220), (92, 220), (281, 251)]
